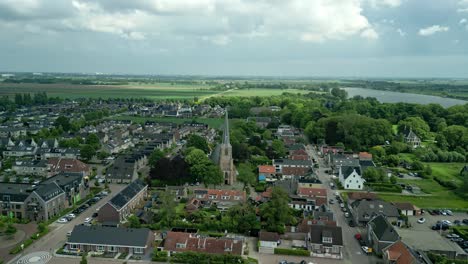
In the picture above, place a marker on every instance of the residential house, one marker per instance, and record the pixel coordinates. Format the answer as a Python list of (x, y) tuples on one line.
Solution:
[(12, 197), (266, 173), (408, 209), (289, 168), (356, 196), (75, 186), (58, 165), (364, 210), (176, 242), (38, 168), (222, 199), (268, 241), (124, 203), (411, 138), (381, 234), (318, 195), (337, 160), (325, 241), (400, 253), (298, 152), (350, 177), (260, 121), (68, 153), (136, 241), (45, 202), (309, 182), (122, 171)]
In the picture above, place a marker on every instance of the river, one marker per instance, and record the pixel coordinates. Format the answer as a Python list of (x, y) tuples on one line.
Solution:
[(397, 97)]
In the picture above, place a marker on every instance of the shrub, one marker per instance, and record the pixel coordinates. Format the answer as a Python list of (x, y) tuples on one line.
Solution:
[(447, 184), (159, 256), (385, 187), (292, 252)]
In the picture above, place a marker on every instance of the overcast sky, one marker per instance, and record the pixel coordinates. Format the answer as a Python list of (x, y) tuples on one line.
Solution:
[(362, 38)]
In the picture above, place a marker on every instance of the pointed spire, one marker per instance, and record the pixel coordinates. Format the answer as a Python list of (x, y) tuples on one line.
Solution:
[(226, 140)]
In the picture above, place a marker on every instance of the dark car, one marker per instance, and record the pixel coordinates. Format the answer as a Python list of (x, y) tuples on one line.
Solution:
[(440, 226), (94, 215), (351, 223), (457, 222), (465, 221)]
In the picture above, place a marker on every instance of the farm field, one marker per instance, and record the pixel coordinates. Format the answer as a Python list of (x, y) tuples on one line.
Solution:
[(212, 122), (444, 199), (261, 92)]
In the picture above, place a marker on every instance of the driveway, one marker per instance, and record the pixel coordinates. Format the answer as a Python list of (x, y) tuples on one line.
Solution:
[(352, 250)]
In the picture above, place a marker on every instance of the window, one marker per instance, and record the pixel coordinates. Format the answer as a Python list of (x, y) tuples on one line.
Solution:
[(138, 250), (237, 197), (347, 185), (213, 196), (112, 249), (327, 240), (180, 245), (359, 186), (225, 197), (73, 246), (100, 248)]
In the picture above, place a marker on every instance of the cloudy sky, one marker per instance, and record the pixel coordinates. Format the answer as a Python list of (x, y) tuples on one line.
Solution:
[(361, 38)]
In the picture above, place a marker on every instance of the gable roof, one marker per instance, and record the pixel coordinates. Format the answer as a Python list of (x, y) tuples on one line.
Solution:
[(312, 192), (366, 209), (266, 169), (382, 229), (68, 165), (17, 192), (127, 194), (197, 243), (400, 253), (317, 232), (348, 170), (48, 191), (113, 236), (362, 195), (268, 236)]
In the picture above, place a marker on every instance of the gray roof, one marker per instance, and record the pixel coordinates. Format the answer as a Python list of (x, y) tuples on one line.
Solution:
[(112, 236), (48, 191), (382, 229), (127, 194), (292, 162), (347, 170), (65, 179), (317, 232), (366, 209), (17, 192), (366, 164)]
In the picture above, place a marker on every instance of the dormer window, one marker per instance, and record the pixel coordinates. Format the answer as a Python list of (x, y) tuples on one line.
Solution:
[(213, 196), (180, 245), (327, 240)]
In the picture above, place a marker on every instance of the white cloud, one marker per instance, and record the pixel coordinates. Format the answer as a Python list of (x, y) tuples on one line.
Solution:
[(463, 21), (219, 21), (432, 30), (463, 6), (369, 34), (401, 32)]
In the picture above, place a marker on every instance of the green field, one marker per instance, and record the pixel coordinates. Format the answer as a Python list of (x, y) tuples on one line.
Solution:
[(261, 92), (446, 199), (212, 122), (447, 171)]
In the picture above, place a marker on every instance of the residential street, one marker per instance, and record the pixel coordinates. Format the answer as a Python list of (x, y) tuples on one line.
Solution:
[(58, 232), (352, 250)]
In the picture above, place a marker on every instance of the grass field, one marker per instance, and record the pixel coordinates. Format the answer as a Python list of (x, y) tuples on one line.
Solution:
[(446, 199), (261, 92), (447, 171), (212, 122)]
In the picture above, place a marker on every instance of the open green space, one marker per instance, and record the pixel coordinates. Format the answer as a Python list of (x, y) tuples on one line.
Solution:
[(447, 171), (212, 122), (443, 199), (261, 92)]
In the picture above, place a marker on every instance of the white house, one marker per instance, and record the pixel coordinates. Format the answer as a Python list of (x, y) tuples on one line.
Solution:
[(350, 177), (268, 241)]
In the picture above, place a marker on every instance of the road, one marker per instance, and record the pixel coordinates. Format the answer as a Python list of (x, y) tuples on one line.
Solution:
[(58, 234), (352, 250)]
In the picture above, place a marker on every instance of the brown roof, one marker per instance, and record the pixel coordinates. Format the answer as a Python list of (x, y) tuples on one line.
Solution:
[(404, 206), (399, 253), (266, 169), (365, 155), (268, 236), (67, 165), (312, 192), (197, 243), (362, 195)]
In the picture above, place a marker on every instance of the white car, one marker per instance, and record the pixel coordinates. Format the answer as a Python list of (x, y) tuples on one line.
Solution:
[(365, 249), (71, 215), (422, 220), (88, 220), (62, 221), (446, 222), (69, 233)]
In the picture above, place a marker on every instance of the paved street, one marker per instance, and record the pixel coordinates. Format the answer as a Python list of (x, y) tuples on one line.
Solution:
[(352, 250), (58, 234)]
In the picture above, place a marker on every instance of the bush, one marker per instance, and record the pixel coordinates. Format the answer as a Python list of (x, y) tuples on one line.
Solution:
[(18, 249), (202, 258), (159, 256), (447, 184), (462, 231), (385, 187), (292, 252)]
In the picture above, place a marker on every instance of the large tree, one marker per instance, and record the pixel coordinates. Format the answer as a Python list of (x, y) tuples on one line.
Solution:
[(246, 174), (62, 122), (87, 152), (198, 142), (276, 212), (242, 218), (417, 124), (202, 168)]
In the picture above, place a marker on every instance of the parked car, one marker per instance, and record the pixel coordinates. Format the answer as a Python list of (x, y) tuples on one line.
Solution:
[(457, 222), (88, 220), (342, 205), (452, 236), (366, 249), (71, 215), (346, 214), (331, 201), (69, 233), (94, 215), (422, 220), (62, 220), (351, 223), (465, 221)]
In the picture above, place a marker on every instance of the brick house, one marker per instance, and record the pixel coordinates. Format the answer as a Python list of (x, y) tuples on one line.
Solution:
[(222, 199), (47, 201), (266, 173), (289, 168), (58, 165), (124, 203), (183, 242), (137, 241)]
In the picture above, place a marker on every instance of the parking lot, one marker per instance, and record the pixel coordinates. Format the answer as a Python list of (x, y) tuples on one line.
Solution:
[(420, 235)]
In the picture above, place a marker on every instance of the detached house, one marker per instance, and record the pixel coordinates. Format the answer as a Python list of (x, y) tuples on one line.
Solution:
[(58, 165), (325, 241), (123, 203), (47, 201), (222, 199), (289, 168), (381, 234), (182, 242), (268, 241), (350, 177), (364, 210), (266, 173), (411, 138)]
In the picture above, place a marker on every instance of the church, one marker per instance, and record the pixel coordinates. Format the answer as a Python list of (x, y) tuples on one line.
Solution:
[(223, 155)]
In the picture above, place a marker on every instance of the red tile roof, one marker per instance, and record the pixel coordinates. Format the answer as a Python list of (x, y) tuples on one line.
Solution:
[(365, 155), (399, 253), (197, 243), (312, 192), (362, 195), (67, 165), (268, 236), (266, 169)]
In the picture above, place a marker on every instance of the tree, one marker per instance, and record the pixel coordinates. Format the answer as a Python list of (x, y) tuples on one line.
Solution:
[(93, 140), (198, 142), (246, 174), (276, 212), (242, 218), (83, 259), (202, 168), (87, 152), (133, 221), (456, 136), (417, 124), (213, 175), (464, 188), (167, 212), (340, 93), (277, 149), (155, 156), (393, 160), (373, 174), (62, 122), (417, 165)]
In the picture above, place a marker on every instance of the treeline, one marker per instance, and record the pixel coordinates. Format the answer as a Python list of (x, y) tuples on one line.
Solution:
[(323, 86), (26, 99)]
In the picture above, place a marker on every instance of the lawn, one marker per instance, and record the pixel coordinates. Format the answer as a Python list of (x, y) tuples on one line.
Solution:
[(447, 171), (409, 157), (445, 199), (212, 122), (428, 186)]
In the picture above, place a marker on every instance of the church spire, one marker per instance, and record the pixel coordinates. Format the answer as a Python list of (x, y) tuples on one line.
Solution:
[(226, 140)]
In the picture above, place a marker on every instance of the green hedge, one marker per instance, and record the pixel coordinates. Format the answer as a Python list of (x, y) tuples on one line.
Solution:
[(159, 256), (201, 258), (18, 249), (462, 231), (292, 252)]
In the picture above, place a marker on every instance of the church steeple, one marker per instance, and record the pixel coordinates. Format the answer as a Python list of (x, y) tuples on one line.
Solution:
[(226, 140)]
